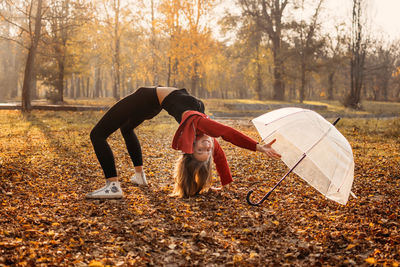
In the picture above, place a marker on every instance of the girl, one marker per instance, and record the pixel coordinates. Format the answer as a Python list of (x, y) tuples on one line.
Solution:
[(193, 138)]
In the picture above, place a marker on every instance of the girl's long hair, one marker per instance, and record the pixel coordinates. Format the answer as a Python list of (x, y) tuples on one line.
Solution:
[(191, 176)]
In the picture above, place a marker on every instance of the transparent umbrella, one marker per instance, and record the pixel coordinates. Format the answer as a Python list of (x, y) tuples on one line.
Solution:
[(312, 148)]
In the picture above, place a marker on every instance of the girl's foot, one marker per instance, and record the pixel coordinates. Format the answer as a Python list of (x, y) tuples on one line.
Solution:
[(139, 179), (110, 190)]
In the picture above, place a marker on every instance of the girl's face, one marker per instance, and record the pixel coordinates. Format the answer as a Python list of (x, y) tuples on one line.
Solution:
[(202, 148)]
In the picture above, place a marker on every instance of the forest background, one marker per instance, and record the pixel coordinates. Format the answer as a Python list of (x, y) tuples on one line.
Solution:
[(278, 50), (96, 52)]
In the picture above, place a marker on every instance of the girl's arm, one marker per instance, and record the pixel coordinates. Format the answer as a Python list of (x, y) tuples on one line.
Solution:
[(216, 129), (221, 164)]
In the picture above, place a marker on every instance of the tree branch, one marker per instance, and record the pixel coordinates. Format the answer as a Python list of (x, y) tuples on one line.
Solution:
[(15, 41)]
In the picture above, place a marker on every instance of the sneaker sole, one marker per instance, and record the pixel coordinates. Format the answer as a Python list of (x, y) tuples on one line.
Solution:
[(104, 197), (135, 183), (140, 184)]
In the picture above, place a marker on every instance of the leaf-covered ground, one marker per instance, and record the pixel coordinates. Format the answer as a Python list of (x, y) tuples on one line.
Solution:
[(47, 165)]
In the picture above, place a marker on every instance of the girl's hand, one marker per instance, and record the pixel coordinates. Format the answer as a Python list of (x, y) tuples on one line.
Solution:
[(219, 189), (268, 150), (215, 189)]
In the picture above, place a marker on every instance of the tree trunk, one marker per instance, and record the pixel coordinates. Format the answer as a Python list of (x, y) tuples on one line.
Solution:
[(30, 61), (275, 33), (14, 77), (259, 81), (72, 94), (60, 83), (279, 86), (66, 88), (117, 41), (169, 72), (385, 85), (97, 81), (397, 95), (87, 87), (302, 93), (153, 46), (78, 87), (358, 53), (331, 85), (195, 80)]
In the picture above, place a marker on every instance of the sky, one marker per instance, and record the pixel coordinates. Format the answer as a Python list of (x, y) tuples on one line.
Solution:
[(388, 17), (383, 15)]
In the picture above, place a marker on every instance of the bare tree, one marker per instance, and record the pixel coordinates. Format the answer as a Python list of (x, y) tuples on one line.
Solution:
[(307, 45), (358, 51), (153, 45), (268, 14), (30, 61), (64, 17), (380, 70), (8, 57), (335, 54), (117, 18), (32, 12), (117, 45)]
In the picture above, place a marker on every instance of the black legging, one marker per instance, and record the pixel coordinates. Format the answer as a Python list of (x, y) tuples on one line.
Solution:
[(125, 115)]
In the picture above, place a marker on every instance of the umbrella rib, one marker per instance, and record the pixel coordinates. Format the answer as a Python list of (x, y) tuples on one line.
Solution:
[(318, 141), (290, 114)]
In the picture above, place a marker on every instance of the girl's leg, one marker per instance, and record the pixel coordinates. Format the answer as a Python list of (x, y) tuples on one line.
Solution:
[(135, 152), (103, 151), (132, 144), (115, 118), (126, 114)]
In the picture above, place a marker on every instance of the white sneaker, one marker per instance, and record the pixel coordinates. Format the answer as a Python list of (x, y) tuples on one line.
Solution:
[(110, 190), (139, 178)]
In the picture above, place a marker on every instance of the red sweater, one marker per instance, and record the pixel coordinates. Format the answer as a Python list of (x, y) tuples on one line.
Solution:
[(195, 123)]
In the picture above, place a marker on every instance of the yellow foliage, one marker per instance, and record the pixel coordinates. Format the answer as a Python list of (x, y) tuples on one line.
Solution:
[(371, 260), (95, 263)]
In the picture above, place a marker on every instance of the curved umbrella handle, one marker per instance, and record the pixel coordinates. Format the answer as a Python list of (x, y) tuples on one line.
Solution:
[(259, 202)]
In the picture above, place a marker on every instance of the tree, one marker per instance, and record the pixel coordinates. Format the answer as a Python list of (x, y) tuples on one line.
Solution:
[(172, 24), (358, 50), (334, 58), (30, 61), (30, 27), (116, 17), (250, 57), (268, 14), (190, 41), (396, 82), (380, 68), (197, 39), (154, 48), (306, 45), (9, 58), (257, 38), (64, 16)]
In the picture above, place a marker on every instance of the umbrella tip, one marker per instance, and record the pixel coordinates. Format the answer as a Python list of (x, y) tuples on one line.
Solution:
[(336, 121)]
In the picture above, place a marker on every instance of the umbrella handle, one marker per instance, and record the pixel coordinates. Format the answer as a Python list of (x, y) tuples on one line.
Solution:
[(259, 202), (269, 193)]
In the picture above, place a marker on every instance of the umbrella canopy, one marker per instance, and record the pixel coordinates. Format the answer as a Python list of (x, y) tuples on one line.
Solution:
[(303, 135)]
